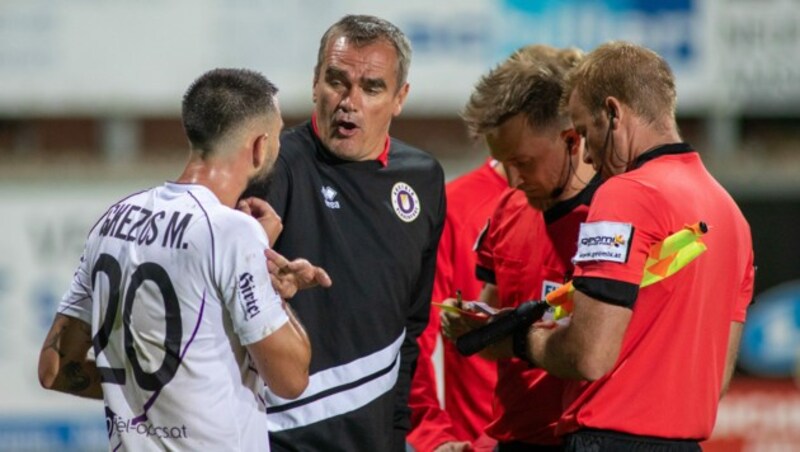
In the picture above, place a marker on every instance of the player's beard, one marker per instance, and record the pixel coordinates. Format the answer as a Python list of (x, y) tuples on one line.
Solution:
[(541, 204), (263, 176)]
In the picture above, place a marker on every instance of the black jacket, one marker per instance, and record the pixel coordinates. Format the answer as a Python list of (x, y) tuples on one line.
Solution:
[(375, 230)]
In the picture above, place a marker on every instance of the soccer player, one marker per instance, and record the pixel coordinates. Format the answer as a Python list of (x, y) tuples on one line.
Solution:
[(370, 208), (527, 249), (173, 294), (468, 381), (649, 365)]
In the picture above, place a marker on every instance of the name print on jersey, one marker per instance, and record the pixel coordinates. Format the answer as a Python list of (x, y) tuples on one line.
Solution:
[(248, 295), (131, 223)]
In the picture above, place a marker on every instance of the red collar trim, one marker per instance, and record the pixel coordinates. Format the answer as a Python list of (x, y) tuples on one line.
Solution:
[(383, 158)]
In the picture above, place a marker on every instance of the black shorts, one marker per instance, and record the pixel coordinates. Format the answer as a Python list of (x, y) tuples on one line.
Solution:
[(588, 440)]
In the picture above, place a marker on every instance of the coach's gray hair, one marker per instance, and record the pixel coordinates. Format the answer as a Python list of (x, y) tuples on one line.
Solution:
[(363, 30)]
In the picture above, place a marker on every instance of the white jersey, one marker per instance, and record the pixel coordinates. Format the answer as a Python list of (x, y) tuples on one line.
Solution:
[(173, 284)]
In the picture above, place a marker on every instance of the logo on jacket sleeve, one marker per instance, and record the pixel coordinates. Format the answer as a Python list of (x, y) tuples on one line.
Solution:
[(604, 241), (405, 202), (329, 196)]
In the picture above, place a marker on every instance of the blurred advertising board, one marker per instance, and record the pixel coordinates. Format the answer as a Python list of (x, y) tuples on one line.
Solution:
[(761, 412), (99, 57), (758, 414)]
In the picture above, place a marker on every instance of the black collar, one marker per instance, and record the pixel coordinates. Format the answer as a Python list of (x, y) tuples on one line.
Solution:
[(584, 197), (658, 151)]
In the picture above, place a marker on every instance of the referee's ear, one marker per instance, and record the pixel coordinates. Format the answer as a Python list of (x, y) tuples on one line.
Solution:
[(572, 139)]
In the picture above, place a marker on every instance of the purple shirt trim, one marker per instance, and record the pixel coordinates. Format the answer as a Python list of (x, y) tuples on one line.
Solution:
[(143, 417)]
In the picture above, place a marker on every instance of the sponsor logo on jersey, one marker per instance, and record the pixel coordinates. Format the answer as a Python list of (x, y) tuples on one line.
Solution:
[(405, 202), (119, 425), (329, 196), (604, 241), (247, 296)]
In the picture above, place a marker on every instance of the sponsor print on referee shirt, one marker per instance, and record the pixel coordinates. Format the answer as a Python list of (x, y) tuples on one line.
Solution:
[(604, 241), (405, 202)]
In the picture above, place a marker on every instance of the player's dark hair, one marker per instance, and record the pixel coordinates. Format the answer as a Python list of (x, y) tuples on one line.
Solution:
[(363, 30), (222, 99)]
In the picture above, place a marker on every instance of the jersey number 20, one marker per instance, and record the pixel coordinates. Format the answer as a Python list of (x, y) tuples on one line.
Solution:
[(148, 271)]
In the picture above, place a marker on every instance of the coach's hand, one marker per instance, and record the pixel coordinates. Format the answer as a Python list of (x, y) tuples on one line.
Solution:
[(265, 214), (288, 277)]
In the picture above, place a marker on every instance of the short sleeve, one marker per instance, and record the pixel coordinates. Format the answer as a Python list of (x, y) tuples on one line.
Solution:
[(255, 308), (77, 301), (745, 295), (484, 255), (614, 241)]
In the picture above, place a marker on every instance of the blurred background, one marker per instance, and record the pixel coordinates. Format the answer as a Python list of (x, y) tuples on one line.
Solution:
[(90, 95)]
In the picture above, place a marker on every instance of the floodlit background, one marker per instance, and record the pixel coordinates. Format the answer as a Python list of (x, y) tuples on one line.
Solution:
[(89, 110)]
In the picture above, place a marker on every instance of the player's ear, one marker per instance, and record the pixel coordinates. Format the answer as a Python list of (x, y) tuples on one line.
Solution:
[(259, 150)]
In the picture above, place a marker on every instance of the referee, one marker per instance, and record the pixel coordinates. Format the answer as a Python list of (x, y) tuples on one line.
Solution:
[(651, 364)]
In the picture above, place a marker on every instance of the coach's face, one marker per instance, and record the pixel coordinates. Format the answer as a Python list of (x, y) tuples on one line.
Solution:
[(356, 95)]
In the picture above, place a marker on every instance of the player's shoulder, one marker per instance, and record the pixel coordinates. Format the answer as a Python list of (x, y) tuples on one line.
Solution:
[(224, 222), (233, 231), (121, 203), (229, 222)]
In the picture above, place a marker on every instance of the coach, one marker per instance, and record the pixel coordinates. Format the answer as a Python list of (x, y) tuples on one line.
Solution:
[(370, 209)]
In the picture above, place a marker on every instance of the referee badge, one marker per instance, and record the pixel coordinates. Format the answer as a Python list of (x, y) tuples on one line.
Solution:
[(405, 202)]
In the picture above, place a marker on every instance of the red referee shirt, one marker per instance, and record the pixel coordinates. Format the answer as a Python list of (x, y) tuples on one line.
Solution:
[(527, 253), (666, 382), (468, 382)]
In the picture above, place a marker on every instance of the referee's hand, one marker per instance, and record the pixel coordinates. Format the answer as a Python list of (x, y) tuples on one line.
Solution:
[(455, 325), (289, 277)]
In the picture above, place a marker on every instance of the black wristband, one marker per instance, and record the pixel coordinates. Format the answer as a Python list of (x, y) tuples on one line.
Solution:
[(519, 343)]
